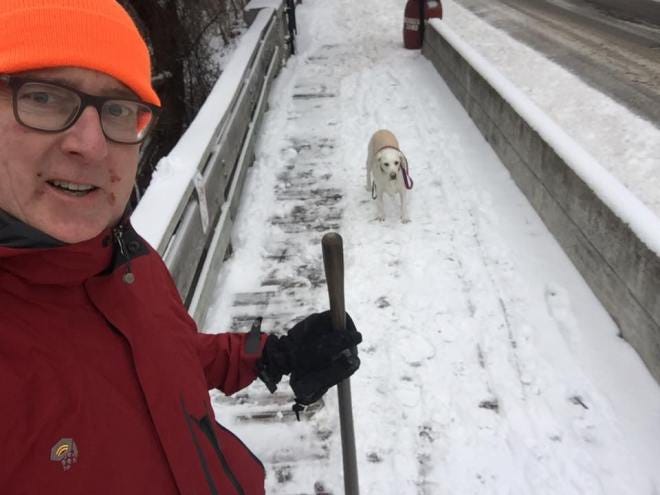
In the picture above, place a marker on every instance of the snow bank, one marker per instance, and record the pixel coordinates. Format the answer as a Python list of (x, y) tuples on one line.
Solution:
[(261, 4)]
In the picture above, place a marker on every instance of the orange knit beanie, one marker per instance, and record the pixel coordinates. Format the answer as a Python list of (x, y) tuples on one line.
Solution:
[(92, 34)]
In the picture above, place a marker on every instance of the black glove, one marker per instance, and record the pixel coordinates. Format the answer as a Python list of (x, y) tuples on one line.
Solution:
[(317, 357)]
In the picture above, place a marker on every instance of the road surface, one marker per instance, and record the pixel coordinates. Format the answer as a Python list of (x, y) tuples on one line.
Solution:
[(614, 48)]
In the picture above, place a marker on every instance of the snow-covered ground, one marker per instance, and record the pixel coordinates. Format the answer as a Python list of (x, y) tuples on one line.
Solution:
[(625, 144), (488, 366)]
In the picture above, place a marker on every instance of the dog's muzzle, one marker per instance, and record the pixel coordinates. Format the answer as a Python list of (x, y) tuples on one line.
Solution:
[(392, 175)]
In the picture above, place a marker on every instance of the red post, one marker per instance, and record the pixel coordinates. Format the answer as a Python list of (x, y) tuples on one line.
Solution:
[(413, 28)]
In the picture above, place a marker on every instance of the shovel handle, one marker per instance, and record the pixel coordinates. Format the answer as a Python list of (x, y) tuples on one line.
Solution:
[(333, 262)]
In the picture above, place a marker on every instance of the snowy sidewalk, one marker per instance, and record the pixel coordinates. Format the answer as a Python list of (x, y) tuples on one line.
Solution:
[(488, 366)]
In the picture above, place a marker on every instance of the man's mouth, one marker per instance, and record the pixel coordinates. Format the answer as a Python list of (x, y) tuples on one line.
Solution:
[(72, 188)]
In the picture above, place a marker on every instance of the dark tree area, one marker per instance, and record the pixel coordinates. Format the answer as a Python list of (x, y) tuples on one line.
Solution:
[(183, 36)]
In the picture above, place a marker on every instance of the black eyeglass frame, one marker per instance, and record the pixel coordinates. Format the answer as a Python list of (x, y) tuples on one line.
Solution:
[(86, 100)]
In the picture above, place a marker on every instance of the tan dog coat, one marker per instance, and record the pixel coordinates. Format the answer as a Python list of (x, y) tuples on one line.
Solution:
[(382, 139)]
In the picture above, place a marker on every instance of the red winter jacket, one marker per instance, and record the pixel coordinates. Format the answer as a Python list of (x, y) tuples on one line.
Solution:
[(104, 382)]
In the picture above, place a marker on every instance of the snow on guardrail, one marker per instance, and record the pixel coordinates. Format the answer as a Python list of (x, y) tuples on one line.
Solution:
[(173, 177)]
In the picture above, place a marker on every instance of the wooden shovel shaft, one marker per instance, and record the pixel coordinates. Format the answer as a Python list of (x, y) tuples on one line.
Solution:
[(333, 262)]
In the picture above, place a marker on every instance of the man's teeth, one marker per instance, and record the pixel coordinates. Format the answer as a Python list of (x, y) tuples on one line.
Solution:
[(69, 186)]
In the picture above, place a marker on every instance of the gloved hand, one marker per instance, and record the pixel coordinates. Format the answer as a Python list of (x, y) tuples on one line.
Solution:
[(317, 357)]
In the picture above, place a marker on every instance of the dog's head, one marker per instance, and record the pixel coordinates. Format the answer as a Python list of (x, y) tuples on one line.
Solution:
[(390, 161)]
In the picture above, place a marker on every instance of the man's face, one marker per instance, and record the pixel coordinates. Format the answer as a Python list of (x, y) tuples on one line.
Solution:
[(39, 169)]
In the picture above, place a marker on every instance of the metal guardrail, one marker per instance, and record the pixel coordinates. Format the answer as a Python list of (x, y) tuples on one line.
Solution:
[(198, 235), (220, 241)]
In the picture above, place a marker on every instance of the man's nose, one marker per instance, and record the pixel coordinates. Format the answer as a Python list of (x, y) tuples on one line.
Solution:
[(86, 137)]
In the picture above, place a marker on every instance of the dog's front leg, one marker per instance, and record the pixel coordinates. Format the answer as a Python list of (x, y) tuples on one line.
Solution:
[(381, 207), (403, 194)]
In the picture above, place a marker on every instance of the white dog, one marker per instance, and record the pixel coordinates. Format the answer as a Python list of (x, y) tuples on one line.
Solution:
[(388, 168)]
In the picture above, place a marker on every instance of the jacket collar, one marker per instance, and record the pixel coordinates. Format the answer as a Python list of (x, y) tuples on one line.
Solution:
[(16, 234), (38, 258)]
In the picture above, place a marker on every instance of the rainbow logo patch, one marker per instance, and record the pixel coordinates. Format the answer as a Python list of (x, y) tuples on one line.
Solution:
[(66, 452)]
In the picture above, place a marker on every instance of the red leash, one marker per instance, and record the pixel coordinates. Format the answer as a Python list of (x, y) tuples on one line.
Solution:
[(407, 180)]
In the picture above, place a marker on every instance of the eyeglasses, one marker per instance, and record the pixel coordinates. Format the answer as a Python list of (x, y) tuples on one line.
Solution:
[(51, 107)]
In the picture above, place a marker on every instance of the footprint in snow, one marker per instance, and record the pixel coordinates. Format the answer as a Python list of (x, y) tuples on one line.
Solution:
[(559, 308)]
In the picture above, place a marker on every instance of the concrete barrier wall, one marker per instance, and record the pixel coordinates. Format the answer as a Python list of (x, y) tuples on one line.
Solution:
[(620, 269)]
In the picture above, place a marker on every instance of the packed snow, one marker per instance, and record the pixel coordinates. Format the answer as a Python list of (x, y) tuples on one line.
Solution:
[(488, 366)]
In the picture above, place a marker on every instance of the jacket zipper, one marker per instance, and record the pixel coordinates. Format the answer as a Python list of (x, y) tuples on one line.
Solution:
[(118, 234), (256, 459), (208, 432), (207, 429)]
